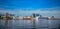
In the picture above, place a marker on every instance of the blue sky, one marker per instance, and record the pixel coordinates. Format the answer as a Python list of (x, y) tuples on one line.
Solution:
[(27, 7), (31, 4)]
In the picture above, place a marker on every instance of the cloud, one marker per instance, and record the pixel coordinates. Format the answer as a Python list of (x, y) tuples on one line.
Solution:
[(30, 12), (26, 11)]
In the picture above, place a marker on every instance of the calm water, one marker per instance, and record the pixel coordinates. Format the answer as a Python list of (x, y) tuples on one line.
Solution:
[(28, 24)]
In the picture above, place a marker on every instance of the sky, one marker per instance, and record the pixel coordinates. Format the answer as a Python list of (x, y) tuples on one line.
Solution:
[(29, 6)]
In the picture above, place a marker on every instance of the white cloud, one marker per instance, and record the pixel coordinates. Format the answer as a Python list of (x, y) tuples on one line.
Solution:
[(29, 12)]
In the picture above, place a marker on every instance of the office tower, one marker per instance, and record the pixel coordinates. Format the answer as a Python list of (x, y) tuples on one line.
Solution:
[(52, 17), (37, 15), (33, 15)]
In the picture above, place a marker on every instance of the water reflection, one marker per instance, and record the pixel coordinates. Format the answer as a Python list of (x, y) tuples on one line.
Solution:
[(6, 24), (28, 24)]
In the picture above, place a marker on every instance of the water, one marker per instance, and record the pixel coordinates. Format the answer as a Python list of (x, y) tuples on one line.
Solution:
[(28, 24)]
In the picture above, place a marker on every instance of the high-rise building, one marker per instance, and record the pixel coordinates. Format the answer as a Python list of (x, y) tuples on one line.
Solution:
[(33, 15), (37, 15), (52, 17), (40, 15)]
